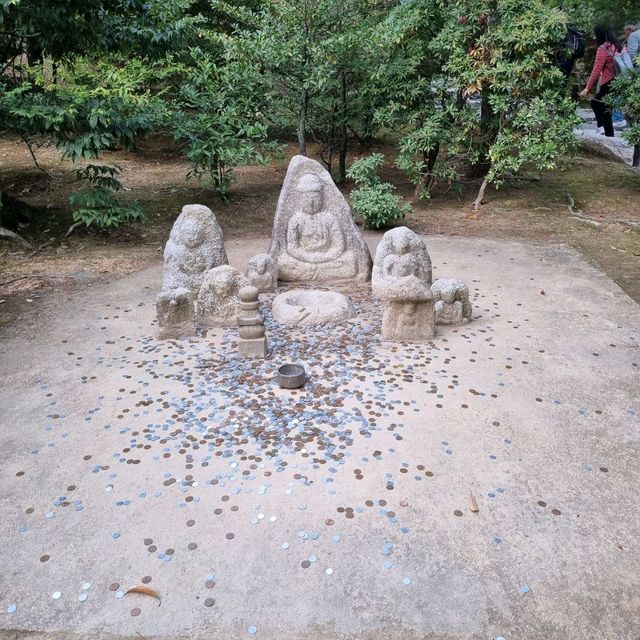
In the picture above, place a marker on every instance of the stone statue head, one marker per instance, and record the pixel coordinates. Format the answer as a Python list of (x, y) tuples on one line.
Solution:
[(260, 264), (310, 189), (190, 233), (401, 243)]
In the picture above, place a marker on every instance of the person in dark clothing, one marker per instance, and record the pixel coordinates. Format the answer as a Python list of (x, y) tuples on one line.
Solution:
[(603, 72)]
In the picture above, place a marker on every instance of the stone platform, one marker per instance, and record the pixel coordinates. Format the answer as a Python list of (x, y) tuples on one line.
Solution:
[(341, 509)]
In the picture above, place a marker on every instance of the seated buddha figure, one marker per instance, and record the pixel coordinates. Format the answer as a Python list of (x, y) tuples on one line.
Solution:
[(316, 248)]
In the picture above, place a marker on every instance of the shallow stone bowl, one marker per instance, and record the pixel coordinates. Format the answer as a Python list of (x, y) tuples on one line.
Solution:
[(311, 306), (291, 376)]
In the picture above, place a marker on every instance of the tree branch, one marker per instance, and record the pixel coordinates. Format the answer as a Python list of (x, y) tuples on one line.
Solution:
[(33, 155)]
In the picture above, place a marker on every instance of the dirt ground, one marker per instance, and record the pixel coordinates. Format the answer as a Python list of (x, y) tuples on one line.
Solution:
[(530, 208)]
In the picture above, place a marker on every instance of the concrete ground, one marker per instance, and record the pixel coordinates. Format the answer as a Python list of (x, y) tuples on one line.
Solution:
[(342, 510)]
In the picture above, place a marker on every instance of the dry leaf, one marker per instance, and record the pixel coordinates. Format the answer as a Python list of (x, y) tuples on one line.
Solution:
[(145, 591), (473, 503)]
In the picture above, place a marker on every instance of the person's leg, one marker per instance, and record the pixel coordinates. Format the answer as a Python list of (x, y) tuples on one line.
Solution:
[(607, 117), (597, 106)]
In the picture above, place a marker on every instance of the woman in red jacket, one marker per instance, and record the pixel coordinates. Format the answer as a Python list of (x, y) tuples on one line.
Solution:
[(603, 72)]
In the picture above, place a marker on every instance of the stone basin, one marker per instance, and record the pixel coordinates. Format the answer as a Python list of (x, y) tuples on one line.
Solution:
[(311, 306)]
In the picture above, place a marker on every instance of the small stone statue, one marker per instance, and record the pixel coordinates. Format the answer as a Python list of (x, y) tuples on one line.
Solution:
[(263, 272), (195, 246), (314, 236), (253, 341), (176, 313), (452, 304), (218, 297), (402, 279)]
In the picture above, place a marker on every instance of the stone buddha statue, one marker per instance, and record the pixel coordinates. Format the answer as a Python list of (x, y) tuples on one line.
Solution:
[(402, 279), (315, 238), (316, 246)]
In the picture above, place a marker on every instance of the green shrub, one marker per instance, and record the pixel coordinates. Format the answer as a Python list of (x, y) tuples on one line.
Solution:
[(373, 199), (97, 205)]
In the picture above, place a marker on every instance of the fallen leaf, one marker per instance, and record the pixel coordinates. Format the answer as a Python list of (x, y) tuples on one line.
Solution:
[(145, 591), (473, 503)]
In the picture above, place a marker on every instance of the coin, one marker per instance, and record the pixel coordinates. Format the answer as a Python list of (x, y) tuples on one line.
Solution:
[(146, 580), (135, 611), (209, 602), (114, 586)]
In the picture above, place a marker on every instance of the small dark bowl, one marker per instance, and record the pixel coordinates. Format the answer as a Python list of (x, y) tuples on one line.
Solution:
[(291, 376)]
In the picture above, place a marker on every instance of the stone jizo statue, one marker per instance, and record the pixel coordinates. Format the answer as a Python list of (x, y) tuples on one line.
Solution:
[(195, 246), (402, 279), (262, 272), (175, 311), (452, 304), (314, 235), (218, 297)]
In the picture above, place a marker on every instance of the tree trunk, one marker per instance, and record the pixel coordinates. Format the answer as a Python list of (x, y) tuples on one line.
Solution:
[(487, 133), (480, 198), (427, 179), (302, 125), (342, 165), (636, 156)]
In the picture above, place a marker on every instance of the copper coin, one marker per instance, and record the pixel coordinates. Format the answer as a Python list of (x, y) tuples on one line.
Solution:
[(191, 546), (147, 542), (135, 612), (556, 512), (305, 564), (190, 523), (542, 503), (44, 558), (230, 536), (146, 580), (457, 512), (170, 552), (152, 548), (114, 586), (329, 522), (210, 584), (404, 503), (209, 602), (429, 474)]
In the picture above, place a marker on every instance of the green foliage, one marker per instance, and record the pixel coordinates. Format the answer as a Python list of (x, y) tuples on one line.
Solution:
[(373, 199), (314, 66), (476, 86), (586, 14), (97, 204), (626, 89), (216, 117)]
